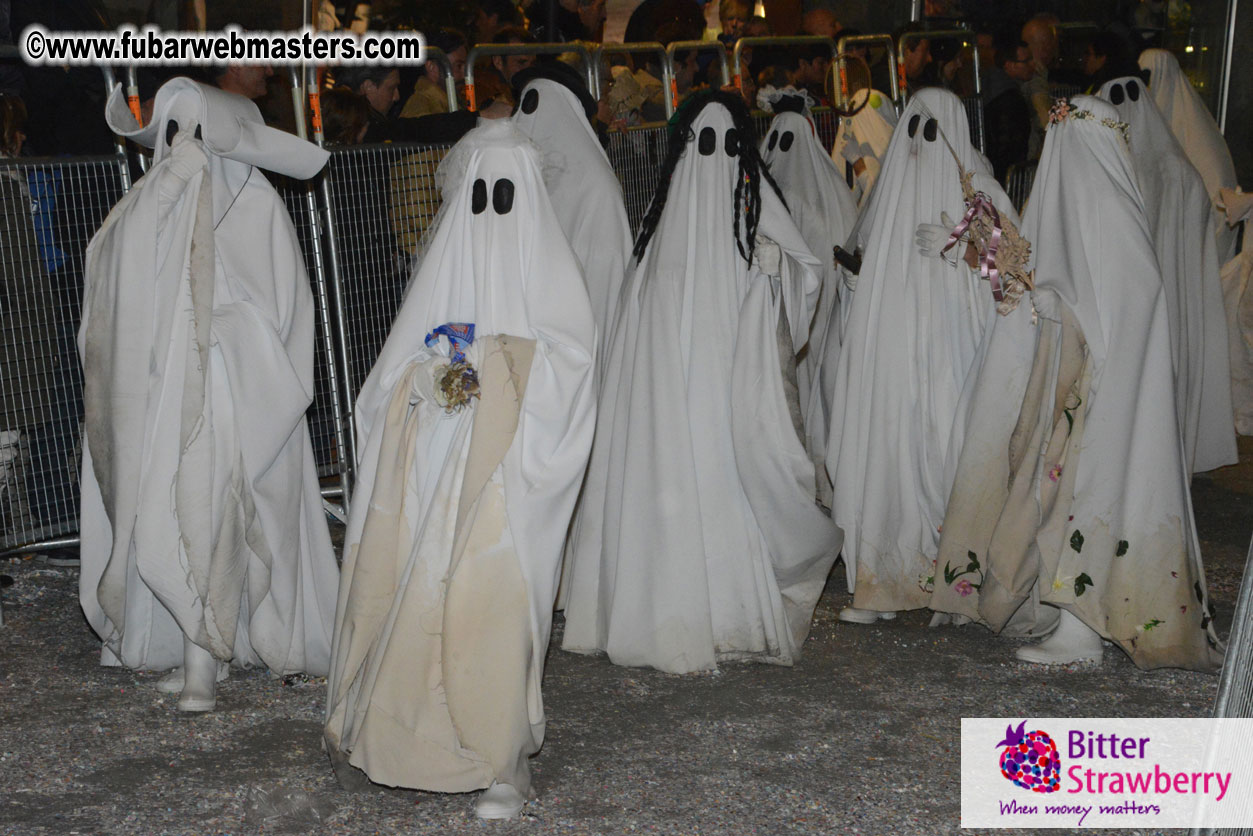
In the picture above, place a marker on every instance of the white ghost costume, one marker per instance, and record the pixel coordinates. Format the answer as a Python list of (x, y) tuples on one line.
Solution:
[(1182, 219), (698, 539), (201, 514), (1193, 125), (1072, 489), (865, 136), (824, 211), (1237, 279), (453, 545), (912, 327), (585, 193)]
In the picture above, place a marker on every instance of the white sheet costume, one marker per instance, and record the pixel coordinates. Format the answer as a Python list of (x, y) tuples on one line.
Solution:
[(1237, 279), (585, 193), (1072, 489), (865, 136), (913, 324), (698, 538), (1193, 125), (1182, 220), (453, 546), (824, 211), (201, 512)]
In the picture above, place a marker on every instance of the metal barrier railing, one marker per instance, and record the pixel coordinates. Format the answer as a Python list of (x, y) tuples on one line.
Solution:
[(599, 53), (973, 104), (488, 50), (786, 40), (889, 46), (694, 46), (1018, 182), (49, 210)]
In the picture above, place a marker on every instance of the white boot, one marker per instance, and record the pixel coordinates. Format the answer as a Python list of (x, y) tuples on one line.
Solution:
[(944, 619), (499, 801), (173, 682), (1072, 641), (200, 672), (853, 615)]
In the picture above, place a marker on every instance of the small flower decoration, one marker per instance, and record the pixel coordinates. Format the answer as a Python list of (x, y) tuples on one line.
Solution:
[(1055, 472), (963, 587), (1059, 111)]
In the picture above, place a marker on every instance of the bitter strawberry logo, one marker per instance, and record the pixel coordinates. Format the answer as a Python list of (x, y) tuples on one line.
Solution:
[(1030, 759)]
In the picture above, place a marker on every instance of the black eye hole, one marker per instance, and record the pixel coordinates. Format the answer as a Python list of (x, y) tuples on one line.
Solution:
[(1116, 94), (708, 141), (785, 141), (530, 101), (930, 130), (913, 124), (171, 128), (1133, 91), (774, 140), (732, 143), (199, 134), (502, 196), (478, 198)]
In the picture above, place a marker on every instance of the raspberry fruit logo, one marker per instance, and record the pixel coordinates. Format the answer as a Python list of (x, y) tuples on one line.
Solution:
[(1030, 759)]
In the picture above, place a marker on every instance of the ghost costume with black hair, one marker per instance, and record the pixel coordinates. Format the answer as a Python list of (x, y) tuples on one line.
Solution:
[(698, 539), (201, 515), (453, 546), (824, 211), (1183, 219), (912, 328), (1072, 489), (584, 191)]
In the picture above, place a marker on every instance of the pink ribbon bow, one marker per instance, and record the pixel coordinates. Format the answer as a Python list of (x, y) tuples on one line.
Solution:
[(981, 205)]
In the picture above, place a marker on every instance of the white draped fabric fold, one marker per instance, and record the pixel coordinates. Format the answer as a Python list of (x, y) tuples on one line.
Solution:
[(201, 509), (698, 539), (824, 211), (1194, 126), (453, 546), (1182, 219)]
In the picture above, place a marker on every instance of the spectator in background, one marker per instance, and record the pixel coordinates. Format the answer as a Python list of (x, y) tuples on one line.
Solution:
[(733, 15), (757, 27), (1006, 113), (651, 16), (491, 16), (809, 68), (1109, 56), (577, 20), (821, 22), (246, 80), (916, 59), (345, 116), (510, 65), (428, 93), (1041, 38)]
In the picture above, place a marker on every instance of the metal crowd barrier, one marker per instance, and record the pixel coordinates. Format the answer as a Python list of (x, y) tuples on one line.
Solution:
[(49, 210), (869, 41), (488, 50), (599, 62), (1018, 182)]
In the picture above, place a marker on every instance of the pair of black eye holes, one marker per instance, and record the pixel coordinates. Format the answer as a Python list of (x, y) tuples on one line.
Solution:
[(502, 196), (929, 131), (530, 101), (1117, 96), (707, 142), (784, 142), (171, 131)]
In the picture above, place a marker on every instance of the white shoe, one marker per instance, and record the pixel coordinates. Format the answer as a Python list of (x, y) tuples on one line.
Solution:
[(1072, 642), (944, 619), (499, 801), (172, 682), (853, 615)]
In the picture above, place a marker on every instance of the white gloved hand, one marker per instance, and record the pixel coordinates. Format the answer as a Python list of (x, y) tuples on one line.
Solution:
[(931, 238), (767, 255), (422, 384)]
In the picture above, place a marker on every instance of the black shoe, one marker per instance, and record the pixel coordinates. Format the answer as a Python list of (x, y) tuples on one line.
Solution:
[(62, 558)]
